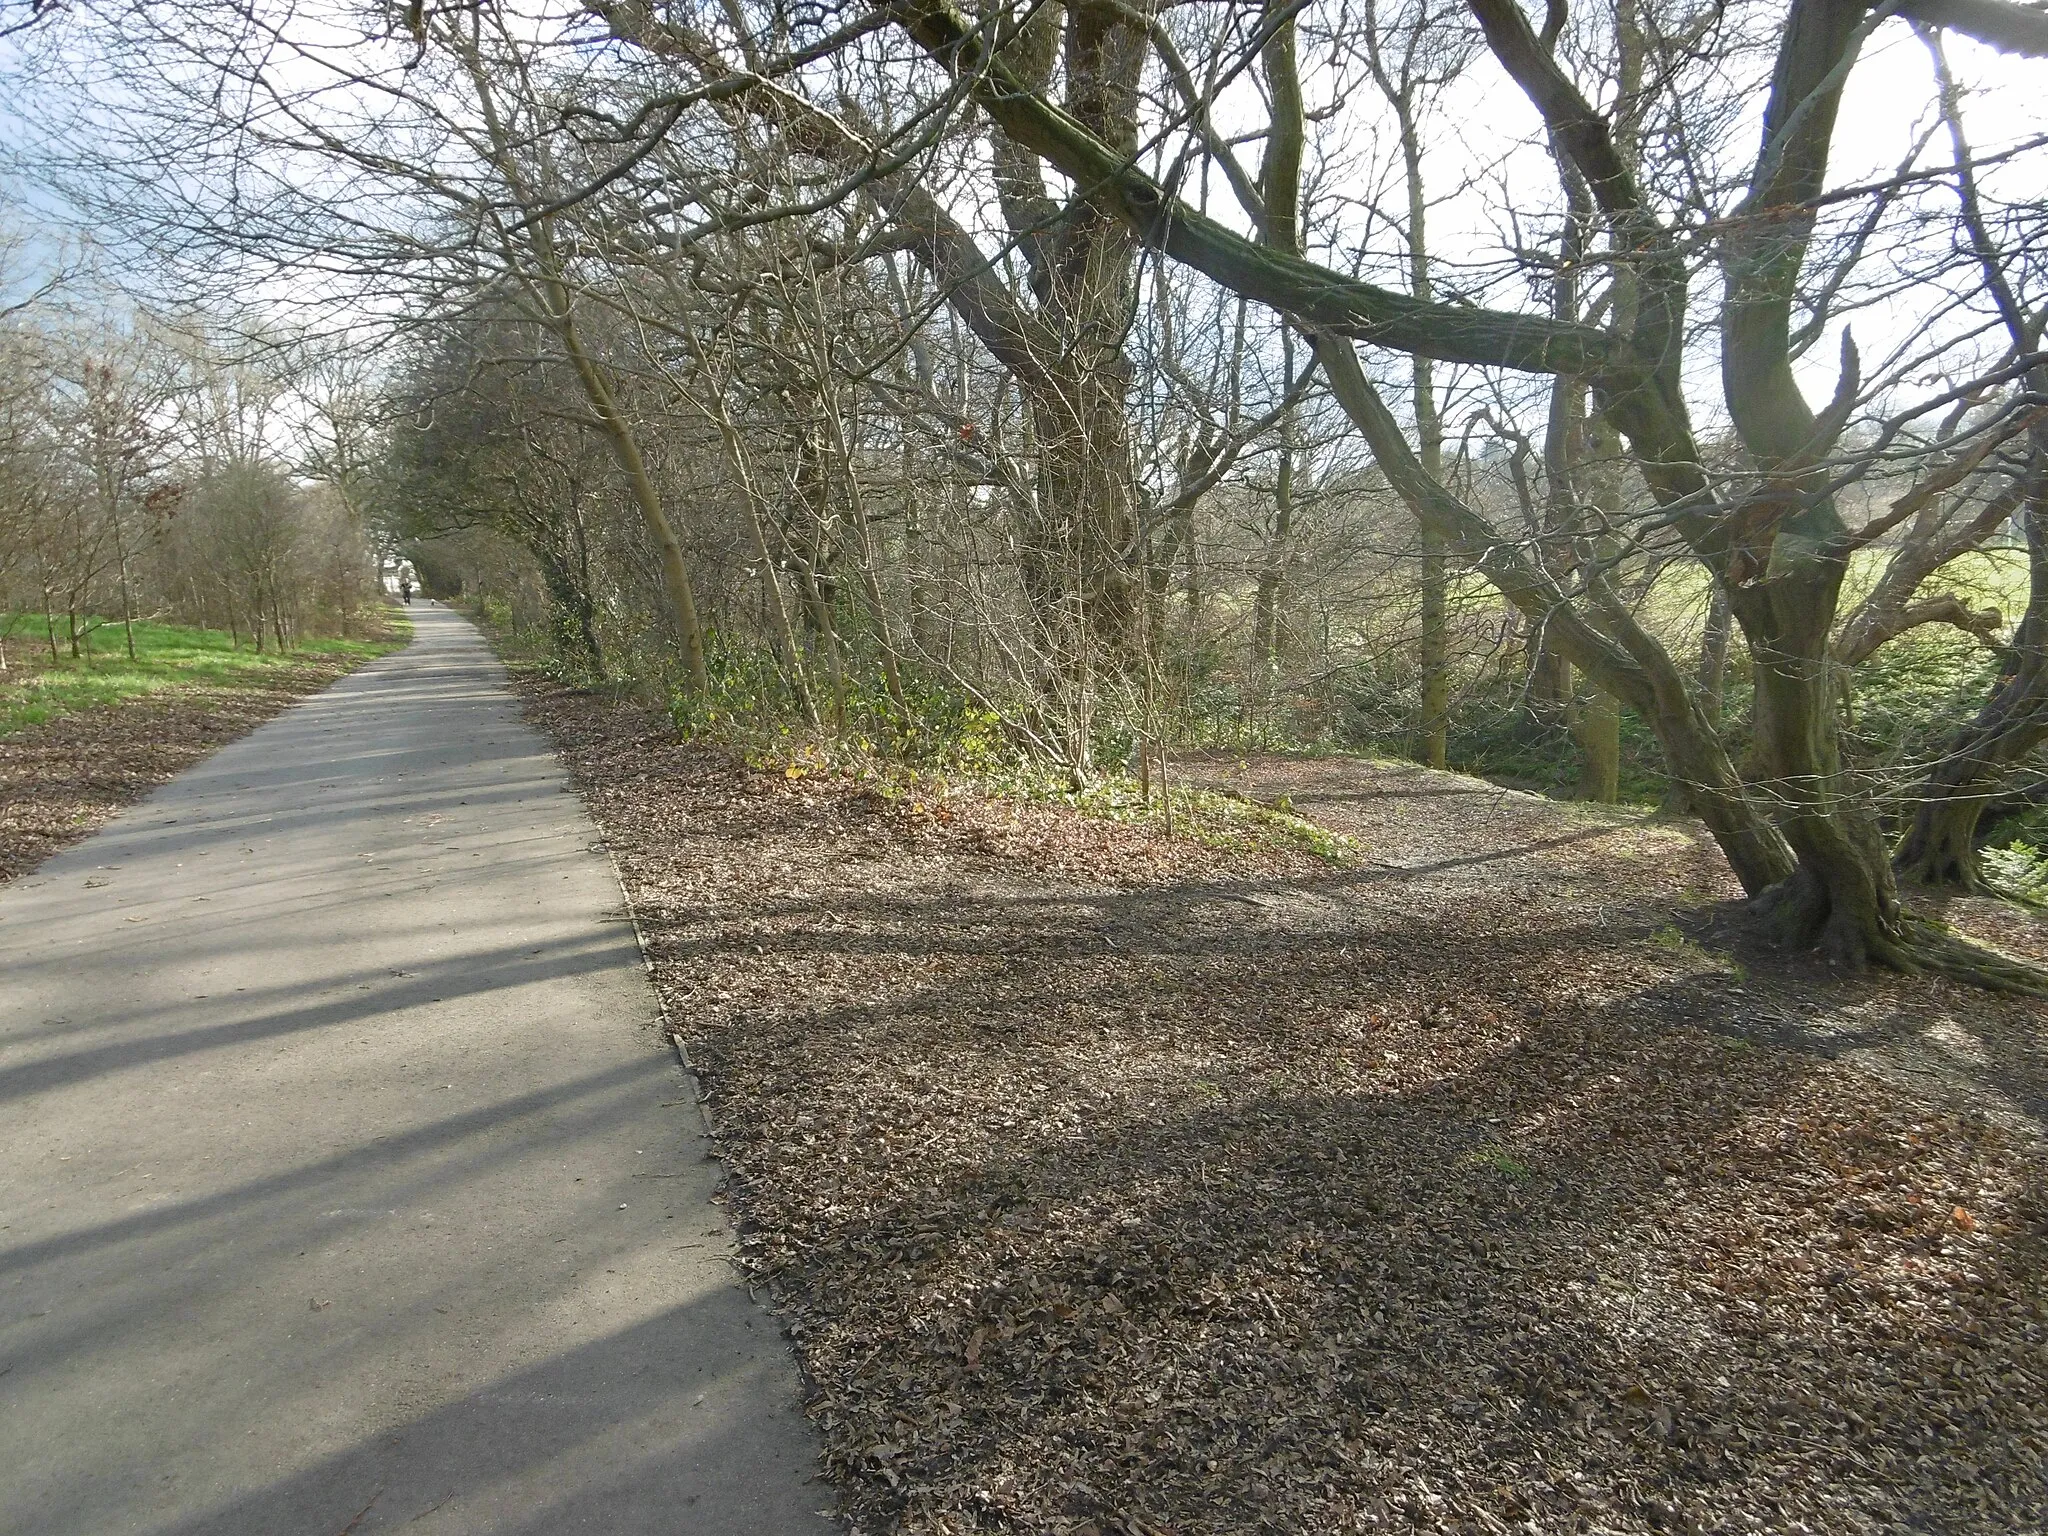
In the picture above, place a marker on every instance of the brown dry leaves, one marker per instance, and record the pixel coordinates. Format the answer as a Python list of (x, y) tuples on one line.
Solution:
[(1117, 1186)]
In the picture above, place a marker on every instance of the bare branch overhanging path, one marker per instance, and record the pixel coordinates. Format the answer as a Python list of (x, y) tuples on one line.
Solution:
[(342, 1175)]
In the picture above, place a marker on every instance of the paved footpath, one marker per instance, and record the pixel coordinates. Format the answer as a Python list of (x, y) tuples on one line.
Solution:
[(345, 1185)]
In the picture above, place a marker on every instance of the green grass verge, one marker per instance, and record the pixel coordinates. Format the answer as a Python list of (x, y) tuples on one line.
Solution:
[(35, 689), (1214, 818)]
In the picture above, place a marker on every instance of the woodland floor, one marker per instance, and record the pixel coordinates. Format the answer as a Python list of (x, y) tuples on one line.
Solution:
[(64, 779), (1486, 1181)]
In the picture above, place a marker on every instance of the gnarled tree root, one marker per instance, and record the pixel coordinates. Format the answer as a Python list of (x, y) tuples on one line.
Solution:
[(1800, 915), (1926, 948)]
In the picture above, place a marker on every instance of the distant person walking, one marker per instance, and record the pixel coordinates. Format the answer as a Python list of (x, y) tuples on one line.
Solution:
[(405, 587)]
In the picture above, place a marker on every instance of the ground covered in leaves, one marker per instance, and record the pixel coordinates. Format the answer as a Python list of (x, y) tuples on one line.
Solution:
[(63, 779), (1482, 1181)]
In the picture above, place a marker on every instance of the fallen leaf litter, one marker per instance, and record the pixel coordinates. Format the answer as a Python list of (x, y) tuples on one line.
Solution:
[(1106, 1184)]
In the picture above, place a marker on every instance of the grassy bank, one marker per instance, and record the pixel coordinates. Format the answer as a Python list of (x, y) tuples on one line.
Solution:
[(35, 689)]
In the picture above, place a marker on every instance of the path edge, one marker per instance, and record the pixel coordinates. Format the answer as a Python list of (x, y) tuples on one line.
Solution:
[(669, 1029)]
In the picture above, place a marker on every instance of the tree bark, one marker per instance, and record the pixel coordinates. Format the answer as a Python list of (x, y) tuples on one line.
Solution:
[(646, 496), (1842, 899), (1597, 728), (1787, 559), (1713, 668), (1550, 679), (1434, 654), (1267, 591)]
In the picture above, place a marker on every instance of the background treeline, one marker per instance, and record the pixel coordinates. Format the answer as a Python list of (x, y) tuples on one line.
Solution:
[(1561, 395), (1308, 636), (145, 474)]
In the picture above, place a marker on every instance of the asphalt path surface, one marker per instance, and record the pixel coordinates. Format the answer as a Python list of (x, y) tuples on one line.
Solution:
[(345, 1181)]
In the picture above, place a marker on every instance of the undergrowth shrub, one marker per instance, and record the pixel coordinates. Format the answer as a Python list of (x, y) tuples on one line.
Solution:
[(1905, 703), (2017, 868), (1489, 731), (1901, 707), (751, 706), (942, 741)]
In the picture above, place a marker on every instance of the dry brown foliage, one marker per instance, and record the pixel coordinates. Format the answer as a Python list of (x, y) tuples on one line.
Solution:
[(1484, 1184)]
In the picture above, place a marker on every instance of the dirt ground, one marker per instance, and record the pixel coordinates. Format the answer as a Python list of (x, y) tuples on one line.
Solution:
[(64, 779), (1483, 1181)]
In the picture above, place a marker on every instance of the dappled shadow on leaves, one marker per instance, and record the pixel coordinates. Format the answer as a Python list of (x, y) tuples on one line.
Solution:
[(1150, 1191), (1240, 1273), (1939, 1041)]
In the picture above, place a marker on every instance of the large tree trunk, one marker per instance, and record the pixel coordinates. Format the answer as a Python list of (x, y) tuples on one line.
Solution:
[(1087, 515), (1597, 728), (1786, 560), (1940, 846), (646, 495), (1266, 594), (1713, 668), (1435, 652), (1841, 899), (1549, 685), (1078, 555)]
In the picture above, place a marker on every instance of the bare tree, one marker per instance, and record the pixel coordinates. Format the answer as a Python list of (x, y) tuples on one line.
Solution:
[(1801, 837)]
